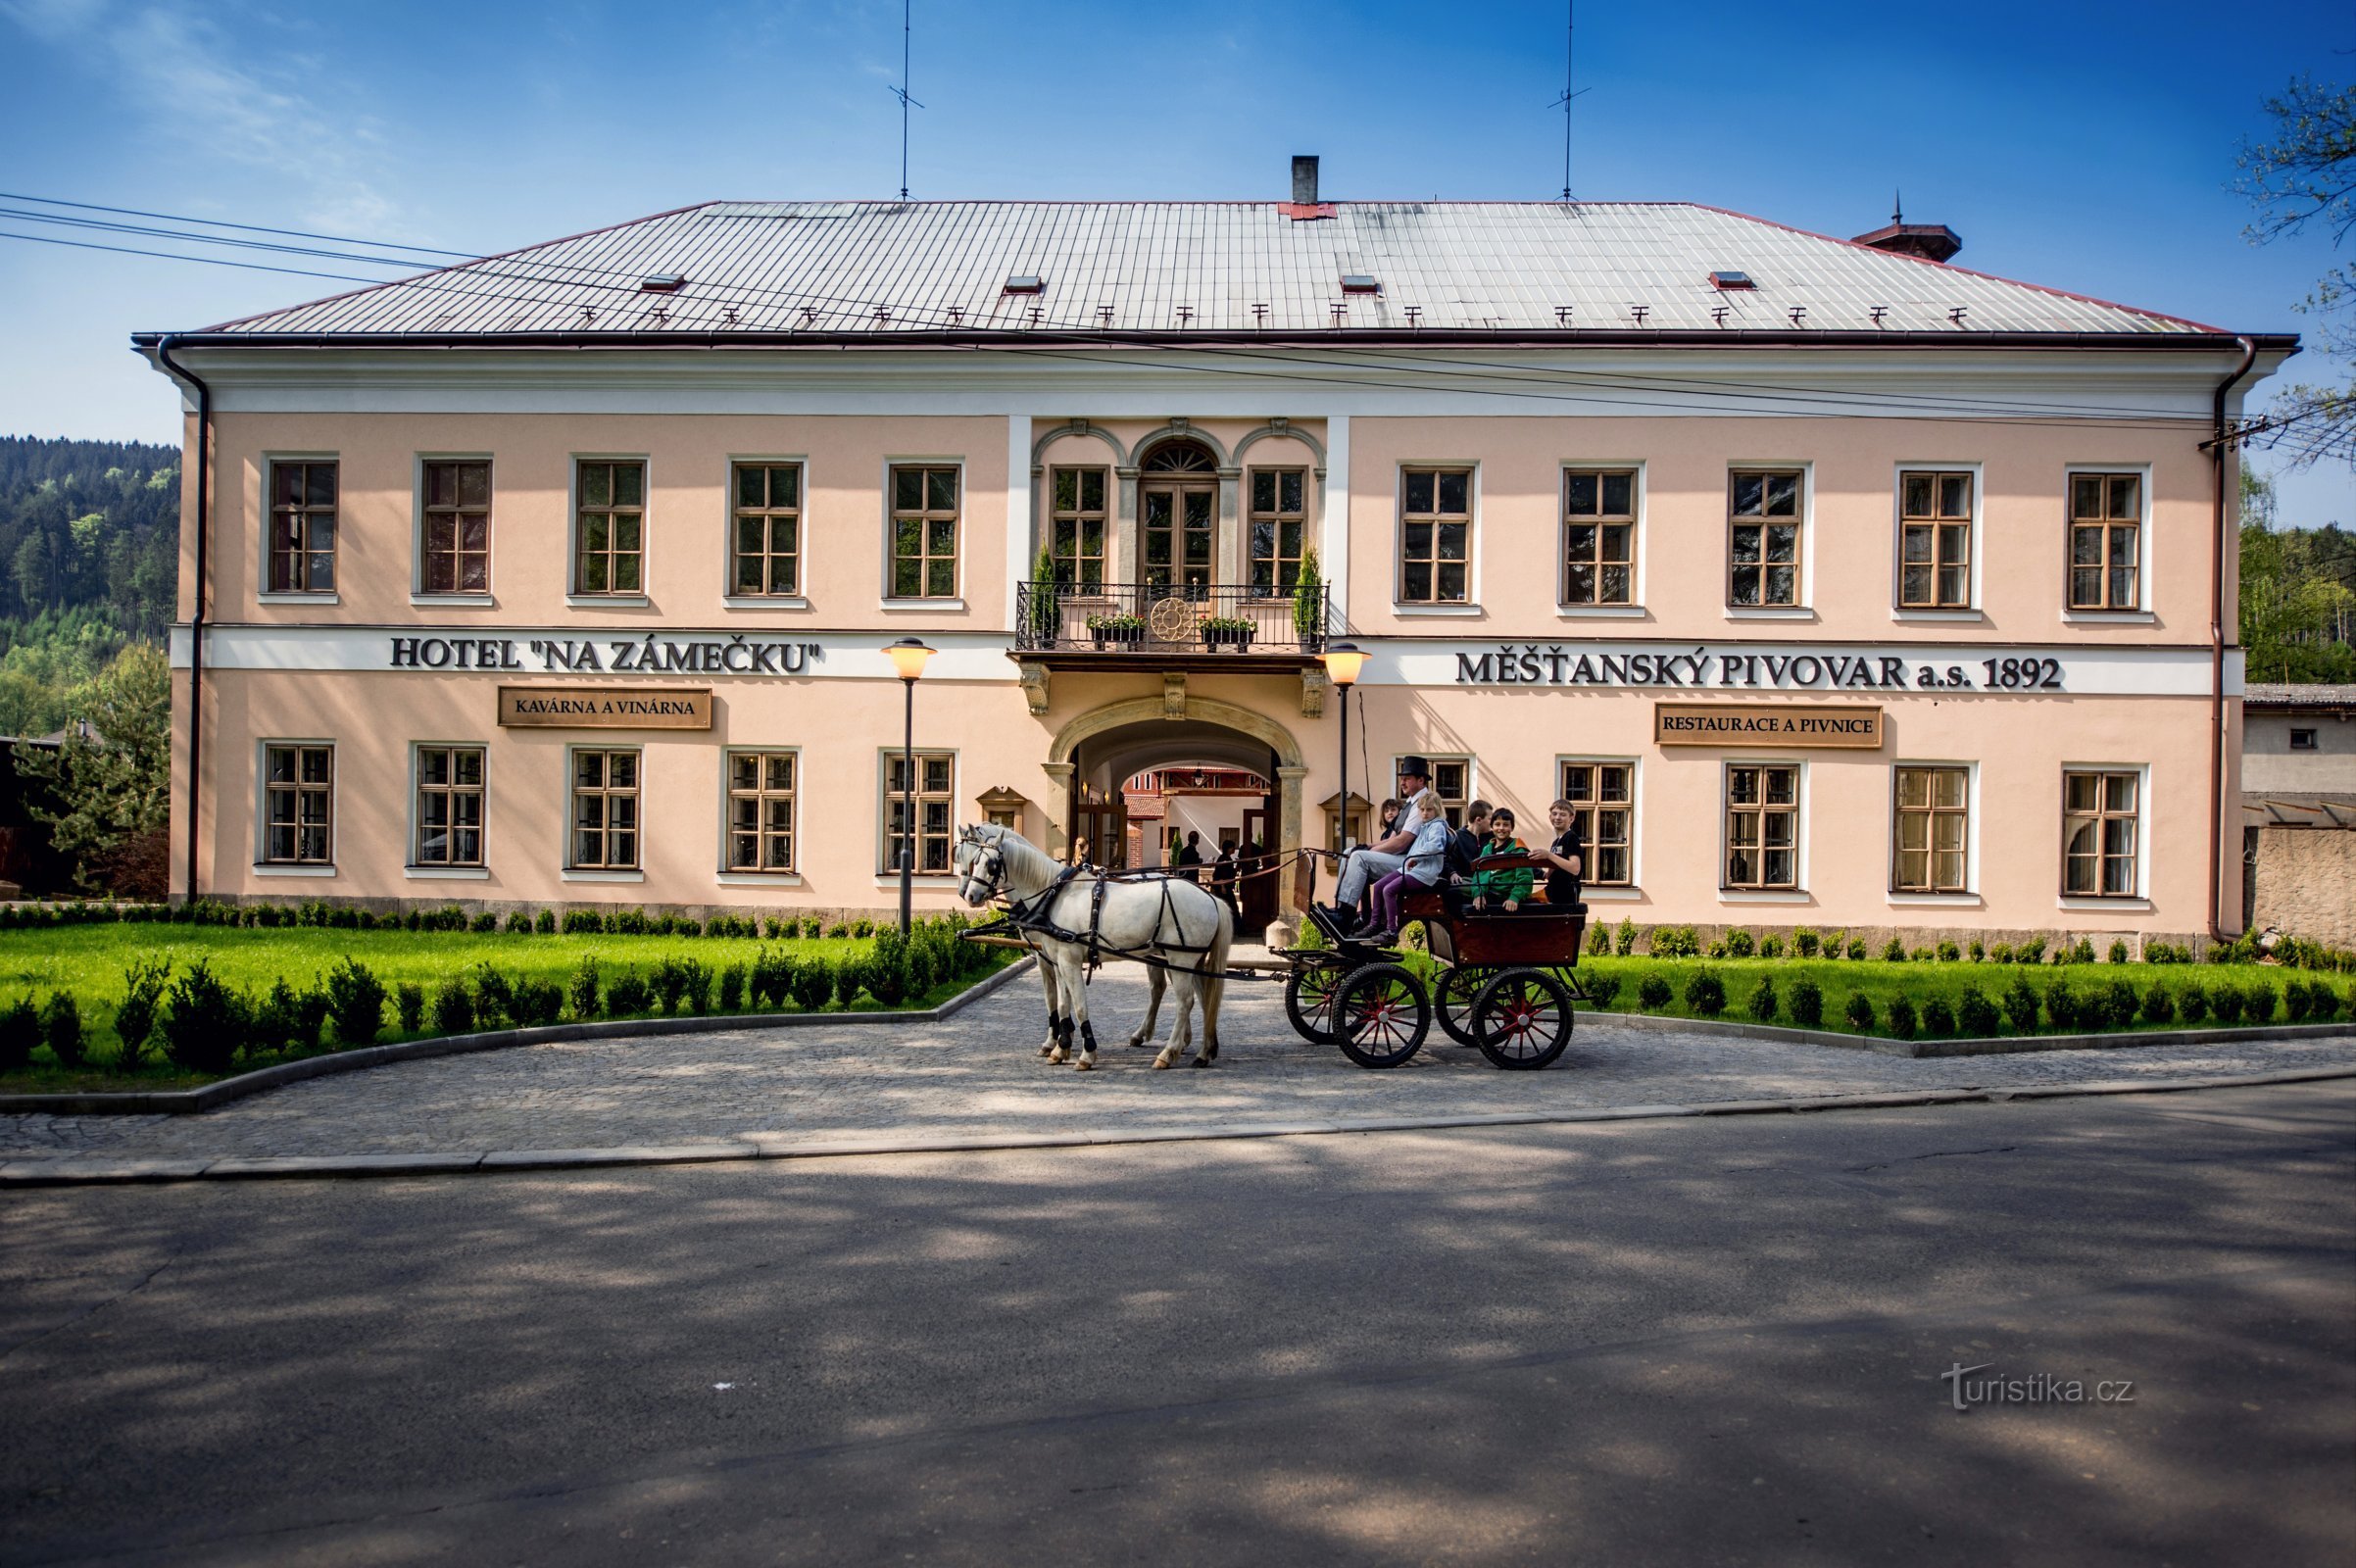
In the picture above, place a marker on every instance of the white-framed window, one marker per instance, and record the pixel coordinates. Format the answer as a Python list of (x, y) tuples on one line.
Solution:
[(1078, 526), (935, 802), (1762, 826), (1277, 529), (1766, 527), (2107, 564), (926, 501), (298, 803), (450, 789), (2104, 815), (763, 792), (608, 527), (1930, 828), (604, 791), (1937, 542), (302, 496), (1599, 537), (1435, 535), (454, 526), (764, 529), (1600, 791)]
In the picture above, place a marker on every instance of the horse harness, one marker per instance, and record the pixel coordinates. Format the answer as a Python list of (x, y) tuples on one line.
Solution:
[(1028, 917)]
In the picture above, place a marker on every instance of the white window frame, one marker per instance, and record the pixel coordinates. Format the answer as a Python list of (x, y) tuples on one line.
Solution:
[(1472, 778), (1403, 606), (1805, 610), (729, 596), (1798, 893), (574, 596), (736, 877), (1633, 888), (263, 593), (2146, 549), (956, 602), (262, 864), (885, 757), (488, 599), (1635, 609), (1975, 610), (1970, 897), (2139, 902), (416, 872), (571, 872)]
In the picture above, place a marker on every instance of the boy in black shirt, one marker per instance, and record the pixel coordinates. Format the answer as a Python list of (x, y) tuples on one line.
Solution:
[(1566, 857)]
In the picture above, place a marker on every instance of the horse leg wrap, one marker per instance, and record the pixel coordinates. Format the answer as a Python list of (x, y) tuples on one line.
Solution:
[(1088, 1038), (1053, 1036)]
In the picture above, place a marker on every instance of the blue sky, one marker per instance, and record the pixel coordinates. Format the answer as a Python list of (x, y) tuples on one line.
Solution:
[(2083, 146)]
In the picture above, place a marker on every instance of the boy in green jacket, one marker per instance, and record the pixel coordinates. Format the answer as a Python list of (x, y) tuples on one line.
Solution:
[(1504, 885)]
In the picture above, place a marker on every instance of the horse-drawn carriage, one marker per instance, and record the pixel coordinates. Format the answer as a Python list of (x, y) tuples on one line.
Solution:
[(1502, 981)]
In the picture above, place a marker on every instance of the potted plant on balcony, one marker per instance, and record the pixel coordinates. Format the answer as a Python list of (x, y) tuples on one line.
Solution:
[(1046, 614), (1117, 631), (1227, 632), (1309, 604)]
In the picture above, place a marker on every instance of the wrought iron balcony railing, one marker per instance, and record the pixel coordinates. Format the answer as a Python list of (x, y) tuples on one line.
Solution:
[(1167, 618)]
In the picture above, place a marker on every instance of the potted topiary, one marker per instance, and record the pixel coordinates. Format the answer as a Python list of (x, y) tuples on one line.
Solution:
[(1309, 604), (1117, 631), (1046, 613), (1227, 632)]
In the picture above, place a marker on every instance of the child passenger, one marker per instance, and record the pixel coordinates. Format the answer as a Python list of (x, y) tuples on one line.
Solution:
[(1505, 886), (1427, 859)]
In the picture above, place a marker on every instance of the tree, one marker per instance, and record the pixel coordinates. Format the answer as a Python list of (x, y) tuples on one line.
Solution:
[(2307, 175), (2296, 601), (106, 791)]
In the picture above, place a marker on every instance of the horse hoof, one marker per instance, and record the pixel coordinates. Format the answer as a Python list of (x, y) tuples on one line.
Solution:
[(1199, 1061), (1159, 1063), (1047, 1052), (1083, 1066)]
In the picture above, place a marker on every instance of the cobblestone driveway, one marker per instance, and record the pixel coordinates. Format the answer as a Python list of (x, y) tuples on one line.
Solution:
[(978, 1073)]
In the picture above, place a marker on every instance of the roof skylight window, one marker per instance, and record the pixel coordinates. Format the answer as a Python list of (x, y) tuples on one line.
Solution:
[(663, 282), (1026, 283), (1731, 281), (1361, 283)]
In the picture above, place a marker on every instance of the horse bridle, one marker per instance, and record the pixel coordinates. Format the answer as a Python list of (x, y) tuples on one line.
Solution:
[(989, 866)]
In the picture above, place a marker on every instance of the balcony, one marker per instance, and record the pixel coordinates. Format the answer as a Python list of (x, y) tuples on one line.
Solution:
[(1189, 625)]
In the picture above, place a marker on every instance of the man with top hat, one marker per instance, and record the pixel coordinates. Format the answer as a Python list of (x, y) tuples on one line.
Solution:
[(1363, 866)]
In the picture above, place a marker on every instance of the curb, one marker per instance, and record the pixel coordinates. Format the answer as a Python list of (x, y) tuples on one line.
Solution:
[(186, 1102), (71, 1171), (1993, 1045)]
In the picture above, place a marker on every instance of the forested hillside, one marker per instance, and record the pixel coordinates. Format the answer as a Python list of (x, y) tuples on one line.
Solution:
[(88, 556)]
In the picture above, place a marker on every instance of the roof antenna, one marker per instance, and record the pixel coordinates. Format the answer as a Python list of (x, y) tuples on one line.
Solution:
[(1570, 22), (1897, 205), (901, 92)]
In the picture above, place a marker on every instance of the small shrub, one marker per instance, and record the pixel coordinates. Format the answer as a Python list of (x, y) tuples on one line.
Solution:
[(2083, 951), (1859, 1011), (772, 978), (1836, 945), (310, 1017), (2294, 1001), (1975, 1015), (2120, 1004), (2001, 952), (1705, 994), (862, 927), (668, 981), (484, 922), (888, 969), (777, 930), (1806, 1004), (733, 988), (2322, 1002), (61, 1028), (695, 985), (812, 928), (355, 1002), (205, 1024), (2166, 953), (1598, 941), (2258, 1003), (583, 923), (1716, 948), (19, 1032), (1673, 942), (2032, 950), (1977, 952), (2063, 1008), (2225, 1003), (1922, 956), (627, 923), (520, 924), (2019, 1004), (687, 925), (850, 976), (452, 1008), (2159, 1005), (537, 1002), (580, 991), (1764, 1004), (409, 1002), (1623, 942), (1806, 943), (1949, 953), (494, 997), (2193, 1002), (545, 923), (1937, 1018), (1771, 946), (1856, 948), (1740, 944), (1899, 1017), (812, 983), (1894, 951), (1602, 988), (2118, 954), (1652, 991), (629, 996), (143, 985)]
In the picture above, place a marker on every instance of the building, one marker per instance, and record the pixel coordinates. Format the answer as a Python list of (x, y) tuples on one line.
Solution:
[(1838, 586), (2298, 811)]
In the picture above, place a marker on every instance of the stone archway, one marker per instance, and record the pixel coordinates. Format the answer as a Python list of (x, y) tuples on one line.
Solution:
[(1063, 753)]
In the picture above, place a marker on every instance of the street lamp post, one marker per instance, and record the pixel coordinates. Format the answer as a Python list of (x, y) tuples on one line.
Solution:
[(908, 657), (1342, 664)]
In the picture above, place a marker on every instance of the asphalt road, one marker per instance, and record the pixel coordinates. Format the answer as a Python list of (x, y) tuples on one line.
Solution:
[(1713, 1341)]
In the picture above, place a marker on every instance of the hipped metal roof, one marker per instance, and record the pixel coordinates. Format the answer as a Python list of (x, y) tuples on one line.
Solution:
[(887, 269)]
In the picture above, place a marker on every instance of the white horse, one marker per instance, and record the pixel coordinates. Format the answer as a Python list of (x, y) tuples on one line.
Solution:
[(1175, 926)]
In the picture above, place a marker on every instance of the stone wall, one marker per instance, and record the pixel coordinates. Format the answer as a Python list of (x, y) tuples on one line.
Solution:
[(2307, 883)]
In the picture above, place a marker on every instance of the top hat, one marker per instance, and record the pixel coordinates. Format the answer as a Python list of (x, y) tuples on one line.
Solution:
[(1414, 768)]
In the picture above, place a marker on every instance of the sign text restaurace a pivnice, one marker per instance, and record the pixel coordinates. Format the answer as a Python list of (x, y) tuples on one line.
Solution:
[(1552, 664)]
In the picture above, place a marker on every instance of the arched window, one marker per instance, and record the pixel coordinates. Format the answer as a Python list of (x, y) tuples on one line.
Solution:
[(1180, 456)]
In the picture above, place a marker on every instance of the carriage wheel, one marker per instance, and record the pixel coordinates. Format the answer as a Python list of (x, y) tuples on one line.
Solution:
[(1453, 997), (1309, 992), (1522, 1018), (1381, 1014)]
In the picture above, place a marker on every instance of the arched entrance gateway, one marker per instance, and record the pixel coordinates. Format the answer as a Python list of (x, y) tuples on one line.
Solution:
[(1094, 754)]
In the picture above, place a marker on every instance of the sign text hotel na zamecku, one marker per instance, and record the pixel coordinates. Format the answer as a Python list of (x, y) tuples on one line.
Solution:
[(1751, 669), (645, 655)]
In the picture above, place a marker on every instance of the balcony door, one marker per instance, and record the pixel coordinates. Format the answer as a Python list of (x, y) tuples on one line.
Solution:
[(1178, 512)]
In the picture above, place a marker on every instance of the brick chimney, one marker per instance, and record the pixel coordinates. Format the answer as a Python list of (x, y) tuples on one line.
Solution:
[(1304, 179)]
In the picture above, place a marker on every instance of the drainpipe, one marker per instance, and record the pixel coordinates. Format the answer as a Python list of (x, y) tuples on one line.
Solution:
[(2217, 456), (196, 618)]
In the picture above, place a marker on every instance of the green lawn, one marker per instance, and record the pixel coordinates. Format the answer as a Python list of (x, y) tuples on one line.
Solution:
[(89, 961)]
